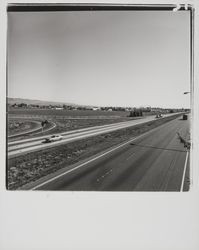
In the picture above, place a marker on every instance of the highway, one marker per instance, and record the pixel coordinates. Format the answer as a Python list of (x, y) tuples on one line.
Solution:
[(37, 130), (154, 161), (20, 147)]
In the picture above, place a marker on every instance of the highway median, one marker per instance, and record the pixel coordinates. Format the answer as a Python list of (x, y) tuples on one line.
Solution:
[(32, 166)]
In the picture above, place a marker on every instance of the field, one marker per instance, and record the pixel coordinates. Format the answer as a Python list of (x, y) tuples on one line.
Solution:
[(64, 120), (68, 113), (32, 166), (19, 125)]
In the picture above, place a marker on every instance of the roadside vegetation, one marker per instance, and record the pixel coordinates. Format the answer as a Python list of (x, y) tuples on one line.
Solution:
[(68, 113), (19, 126), (65, 120), (32, 166)]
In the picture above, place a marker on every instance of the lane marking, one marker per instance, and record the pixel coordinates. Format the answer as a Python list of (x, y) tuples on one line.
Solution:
[(35, 146), (71, 135), (15, 150), (134, 122), (89, 161), (97, 157), (183, 176), (130, 156), (73, 131), (86, 134), (107, 173)]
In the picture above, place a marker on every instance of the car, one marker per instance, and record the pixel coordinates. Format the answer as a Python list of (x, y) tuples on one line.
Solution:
[(158, 116), (53, 138)]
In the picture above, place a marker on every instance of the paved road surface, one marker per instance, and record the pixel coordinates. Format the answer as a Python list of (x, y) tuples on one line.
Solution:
[(21, 147), (156, 161)]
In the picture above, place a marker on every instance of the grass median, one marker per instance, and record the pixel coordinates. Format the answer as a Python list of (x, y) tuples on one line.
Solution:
[(32, 166)]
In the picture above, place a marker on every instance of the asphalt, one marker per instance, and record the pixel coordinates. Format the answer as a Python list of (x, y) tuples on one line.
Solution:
[(155, 161), (20, 147)]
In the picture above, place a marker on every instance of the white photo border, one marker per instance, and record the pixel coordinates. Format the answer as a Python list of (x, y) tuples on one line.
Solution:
[(96, 220)]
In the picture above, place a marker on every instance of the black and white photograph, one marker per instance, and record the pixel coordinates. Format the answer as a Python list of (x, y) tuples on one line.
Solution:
[(99, 98), (99, 125)]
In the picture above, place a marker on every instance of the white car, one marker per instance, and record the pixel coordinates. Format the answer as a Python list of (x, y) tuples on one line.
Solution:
[(158, 116), (53, 138)]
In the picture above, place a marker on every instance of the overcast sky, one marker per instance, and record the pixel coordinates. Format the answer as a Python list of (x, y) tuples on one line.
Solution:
[(129, 58)]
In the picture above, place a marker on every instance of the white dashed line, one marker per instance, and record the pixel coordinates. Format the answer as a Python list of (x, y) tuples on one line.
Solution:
[(130, 156)]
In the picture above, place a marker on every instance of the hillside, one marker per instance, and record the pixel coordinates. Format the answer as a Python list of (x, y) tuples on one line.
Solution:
[(36, 102)]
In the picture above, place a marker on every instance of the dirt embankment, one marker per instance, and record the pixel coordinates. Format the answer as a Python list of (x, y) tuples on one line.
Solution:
[(20, 126), (32, 166)]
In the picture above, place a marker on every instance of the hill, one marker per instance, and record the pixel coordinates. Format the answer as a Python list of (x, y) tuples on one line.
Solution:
[(36, 102)]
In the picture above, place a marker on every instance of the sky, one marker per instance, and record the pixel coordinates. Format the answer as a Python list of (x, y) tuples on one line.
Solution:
[(100, 58)]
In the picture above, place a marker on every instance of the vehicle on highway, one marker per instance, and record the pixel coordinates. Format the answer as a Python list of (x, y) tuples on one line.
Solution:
[(53, 138), (158, 116)]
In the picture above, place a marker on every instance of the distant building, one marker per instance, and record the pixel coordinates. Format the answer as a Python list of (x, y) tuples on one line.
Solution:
[(128, 109), (96, 108), (59, 108)]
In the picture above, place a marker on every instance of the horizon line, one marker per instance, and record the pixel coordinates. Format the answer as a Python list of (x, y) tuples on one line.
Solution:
[(91, 105)]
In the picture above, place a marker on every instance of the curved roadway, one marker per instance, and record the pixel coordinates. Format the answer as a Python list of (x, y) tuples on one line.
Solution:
[(20, 147)]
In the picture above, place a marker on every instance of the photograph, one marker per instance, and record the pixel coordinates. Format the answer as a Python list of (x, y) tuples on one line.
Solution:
[(99, 98)]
